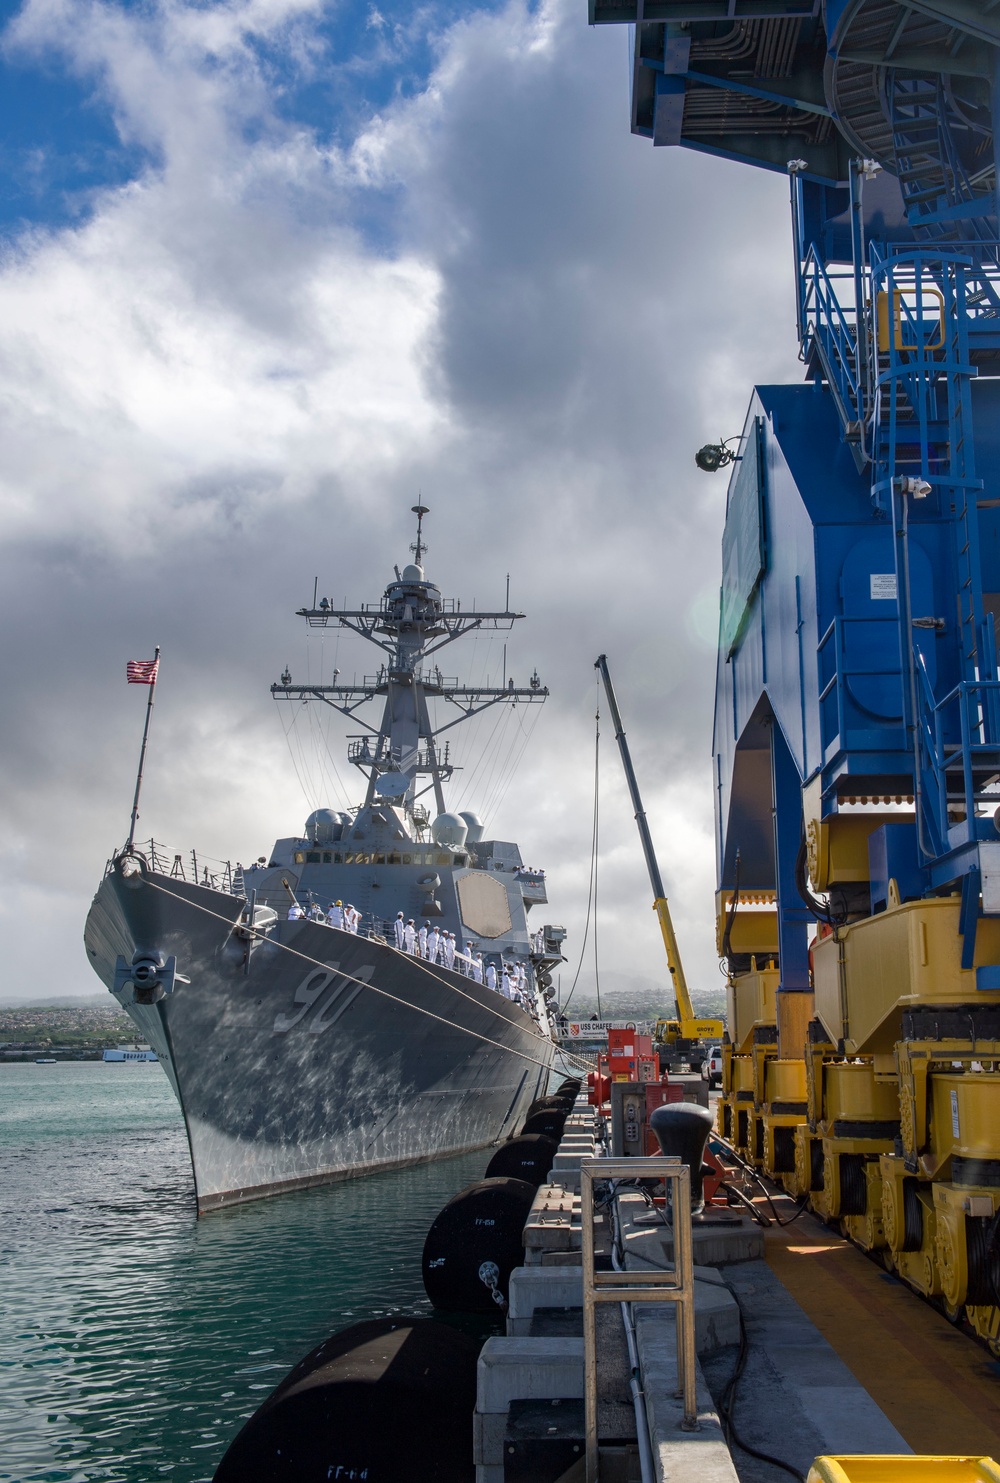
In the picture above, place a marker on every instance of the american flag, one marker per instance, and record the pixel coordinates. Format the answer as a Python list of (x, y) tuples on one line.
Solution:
[(142, 671)]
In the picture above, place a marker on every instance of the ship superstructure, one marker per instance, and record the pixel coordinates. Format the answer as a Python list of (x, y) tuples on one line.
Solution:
[(394, 853), (370, 994)]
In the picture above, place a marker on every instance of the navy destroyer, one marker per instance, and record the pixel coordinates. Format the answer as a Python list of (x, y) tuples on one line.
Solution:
[(370, 994)]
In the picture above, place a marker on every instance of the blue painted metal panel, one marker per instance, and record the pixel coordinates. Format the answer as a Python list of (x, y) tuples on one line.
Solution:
[(858, 644), (892, 855)]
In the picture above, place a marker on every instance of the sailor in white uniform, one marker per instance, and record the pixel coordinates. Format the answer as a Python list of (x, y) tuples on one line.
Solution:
[(351, 918), (410, 936), (449, 949), (295, 912), (477, 968), (399, 927), (491, 976), (423, 940), (315, 913), (335, 916), (433, 944)]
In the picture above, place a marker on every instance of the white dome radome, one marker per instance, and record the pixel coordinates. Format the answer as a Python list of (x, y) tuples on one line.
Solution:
[(324, 826), (449, 829), (474, 824)]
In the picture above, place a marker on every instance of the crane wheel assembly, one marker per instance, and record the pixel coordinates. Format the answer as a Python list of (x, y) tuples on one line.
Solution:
[(887, 1122)]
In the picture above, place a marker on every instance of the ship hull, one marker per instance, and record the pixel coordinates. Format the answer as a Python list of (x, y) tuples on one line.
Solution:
[(323, 1055)]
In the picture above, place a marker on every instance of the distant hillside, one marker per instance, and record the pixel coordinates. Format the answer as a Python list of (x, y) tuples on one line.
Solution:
[(74, 1027), (643, 1001), (66, 1001)]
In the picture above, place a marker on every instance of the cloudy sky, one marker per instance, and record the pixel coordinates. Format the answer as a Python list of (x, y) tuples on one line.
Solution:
[(272, 268)]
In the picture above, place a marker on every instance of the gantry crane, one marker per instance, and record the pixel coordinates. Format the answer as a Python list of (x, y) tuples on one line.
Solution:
[(857, 724)]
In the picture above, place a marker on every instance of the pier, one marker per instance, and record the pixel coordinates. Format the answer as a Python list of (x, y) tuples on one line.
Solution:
[(831, 1355)]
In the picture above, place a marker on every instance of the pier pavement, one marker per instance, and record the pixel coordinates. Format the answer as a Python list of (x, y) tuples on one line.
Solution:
[(840, 1357)]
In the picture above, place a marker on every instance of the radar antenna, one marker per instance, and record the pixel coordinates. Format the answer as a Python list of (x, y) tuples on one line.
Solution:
[(419, 548)]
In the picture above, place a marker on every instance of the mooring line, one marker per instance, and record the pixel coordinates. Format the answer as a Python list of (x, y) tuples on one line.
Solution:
[(350, 977)]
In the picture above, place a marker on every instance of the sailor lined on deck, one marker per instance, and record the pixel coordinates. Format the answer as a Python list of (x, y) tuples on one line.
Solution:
[(335, 916), (477, 968), (491, 975), (410, 936), (399, 928), (295, 912), (351, 918), (449, 949), (433, 944), (422, 934)]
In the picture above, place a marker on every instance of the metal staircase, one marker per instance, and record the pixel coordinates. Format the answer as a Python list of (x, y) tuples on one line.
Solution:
[(942, 203)]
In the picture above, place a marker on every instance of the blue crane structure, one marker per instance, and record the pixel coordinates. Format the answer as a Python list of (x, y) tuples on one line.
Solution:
[(857, 723)]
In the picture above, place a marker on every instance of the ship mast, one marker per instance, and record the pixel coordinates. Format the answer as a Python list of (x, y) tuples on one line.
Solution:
[(401, 757)]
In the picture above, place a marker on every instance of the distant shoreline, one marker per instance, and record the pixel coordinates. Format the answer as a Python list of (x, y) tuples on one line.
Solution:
[(54, 1053)]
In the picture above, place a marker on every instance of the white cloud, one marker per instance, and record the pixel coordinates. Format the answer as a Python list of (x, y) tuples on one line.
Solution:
[(223, 382)]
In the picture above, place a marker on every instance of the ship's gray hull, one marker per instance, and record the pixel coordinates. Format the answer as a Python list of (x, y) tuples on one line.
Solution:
[(340, 1057)]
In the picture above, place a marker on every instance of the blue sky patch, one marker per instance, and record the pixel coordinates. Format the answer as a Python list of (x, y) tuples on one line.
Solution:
[(59, 144)]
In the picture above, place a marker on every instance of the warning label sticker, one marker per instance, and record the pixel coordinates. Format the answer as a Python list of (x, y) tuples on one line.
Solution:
[(883, 585)]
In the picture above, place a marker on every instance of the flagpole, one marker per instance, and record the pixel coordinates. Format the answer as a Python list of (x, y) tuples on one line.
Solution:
[(142, 755)]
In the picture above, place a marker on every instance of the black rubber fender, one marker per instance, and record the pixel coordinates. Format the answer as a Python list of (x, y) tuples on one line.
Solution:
[(477, 1235), (549, 1121), (390, 1400), (528, 1157), (550, 1104)]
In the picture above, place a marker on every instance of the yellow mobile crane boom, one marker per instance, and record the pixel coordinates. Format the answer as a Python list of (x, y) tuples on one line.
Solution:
[(685, 1028)]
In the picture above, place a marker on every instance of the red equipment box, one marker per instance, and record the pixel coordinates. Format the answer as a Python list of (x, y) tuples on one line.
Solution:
[(630, 1056), (658, 1095)]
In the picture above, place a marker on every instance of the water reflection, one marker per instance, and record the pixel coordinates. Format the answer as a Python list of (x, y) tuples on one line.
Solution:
[(135, 1339)]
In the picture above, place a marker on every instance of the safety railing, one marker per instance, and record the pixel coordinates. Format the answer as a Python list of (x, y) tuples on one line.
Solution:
[(855, 688), (656, 1286), (959, 735), (829, 326), (909, 311), (188, 865)]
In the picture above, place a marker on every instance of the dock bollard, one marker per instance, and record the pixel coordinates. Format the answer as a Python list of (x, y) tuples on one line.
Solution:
[(682, 1130)]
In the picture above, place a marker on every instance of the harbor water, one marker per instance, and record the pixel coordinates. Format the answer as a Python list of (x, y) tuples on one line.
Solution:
[(134, 1339)]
